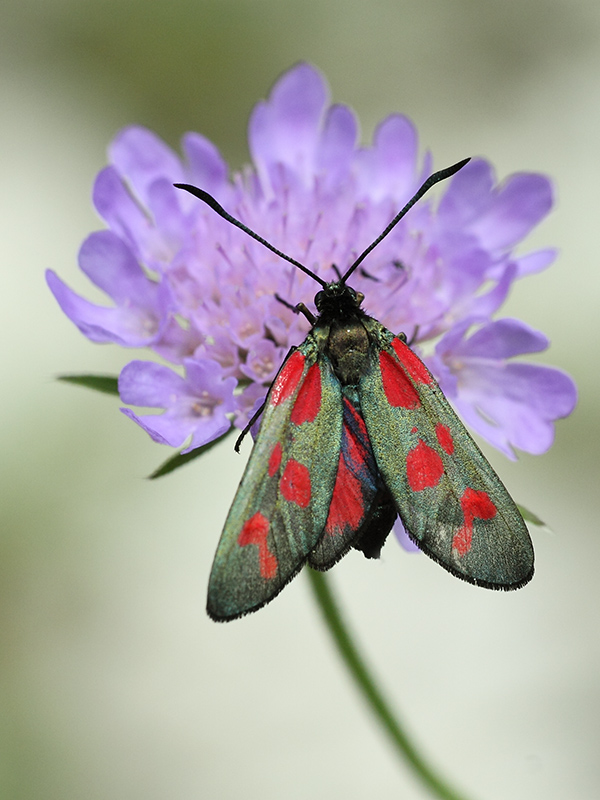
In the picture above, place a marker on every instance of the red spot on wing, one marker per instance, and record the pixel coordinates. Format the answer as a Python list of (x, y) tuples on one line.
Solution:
[(295, 483), (308, 402), (288, 379), (475, 505), (355, 483), (347, 503), (275, 459), (424, 467), (399, 391), (411, 362), (444, 437), (255, 531)]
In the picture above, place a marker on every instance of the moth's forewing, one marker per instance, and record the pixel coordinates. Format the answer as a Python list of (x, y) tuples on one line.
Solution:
[(452, 503), (282, 502)]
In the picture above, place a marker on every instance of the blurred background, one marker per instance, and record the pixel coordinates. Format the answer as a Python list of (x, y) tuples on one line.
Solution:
[(114, 684)]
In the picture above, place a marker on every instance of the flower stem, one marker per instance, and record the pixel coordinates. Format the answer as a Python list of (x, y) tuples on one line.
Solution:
[(366, 683)]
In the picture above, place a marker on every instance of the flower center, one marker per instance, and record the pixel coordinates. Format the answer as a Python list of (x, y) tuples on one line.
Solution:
[(205, 405)]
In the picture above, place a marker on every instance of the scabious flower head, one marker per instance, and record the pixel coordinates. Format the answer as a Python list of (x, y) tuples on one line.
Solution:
[(202, 295)]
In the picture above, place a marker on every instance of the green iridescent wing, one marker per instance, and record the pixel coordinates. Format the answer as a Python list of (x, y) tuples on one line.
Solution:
[(450, 500), (281, 506)]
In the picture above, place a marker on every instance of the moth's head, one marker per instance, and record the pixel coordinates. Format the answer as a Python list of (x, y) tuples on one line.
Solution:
[(339, 298)]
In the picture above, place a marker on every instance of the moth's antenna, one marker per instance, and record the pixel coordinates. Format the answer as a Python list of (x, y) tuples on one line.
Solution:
[(431, 181), (210, 201)]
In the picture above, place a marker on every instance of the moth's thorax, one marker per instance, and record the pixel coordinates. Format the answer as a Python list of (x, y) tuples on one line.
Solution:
[(341, 322), (348, 347)]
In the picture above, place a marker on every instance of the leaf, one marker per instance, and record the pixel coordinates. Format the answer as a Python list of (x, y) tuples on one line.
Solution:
[(179, 459), (529, 516), (108, 384)]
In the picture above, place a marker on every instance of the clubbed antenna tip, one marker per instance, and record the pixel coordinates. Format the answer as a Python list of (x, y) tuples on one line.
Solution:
[(431, 181)]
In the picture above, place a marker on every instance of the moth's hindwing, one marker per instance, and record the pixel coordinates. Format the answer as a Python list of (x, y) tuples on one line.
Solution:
[(452, 503), (353, 492), (356, 506), (282, 502)]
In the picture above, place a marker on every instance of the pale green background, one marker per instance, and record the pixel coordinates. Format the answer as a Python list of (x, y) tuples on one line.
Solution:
[(114, 684)]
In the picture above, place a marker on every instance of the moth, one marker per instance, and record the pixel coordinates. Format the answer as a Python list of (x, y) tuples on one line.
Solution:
[(355, 431)]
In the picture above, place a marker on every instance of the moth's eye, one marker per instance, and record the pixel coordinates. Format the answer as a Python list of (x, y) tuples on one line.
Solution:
[(319, 298)]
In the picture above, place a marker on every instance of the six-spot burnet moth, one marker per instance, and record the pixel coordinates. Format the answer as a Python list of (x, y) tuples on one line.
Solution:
[(355, 431)]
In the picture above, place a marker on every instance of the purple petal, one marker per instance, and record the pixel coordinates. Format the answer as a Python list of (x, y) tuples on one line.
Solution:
[(222, 350), (172, 228), (262, 362), (195, 407), (128, 327), (403, 538), (285, 128), (457, 270), (141, 157), (545, 391), (509, 404), (468, 195), (389, 168), (174, 431), (171, 438), (246, 326), (518, 206), (205, 379), (247, 404), (206, 166), (118, 209), (522, 400), (535, 262), (502, 339), (488, 430), (499, 218), (453, 339), (110, 265), (144, 307), (486, 304), (336, 147), (153, 243), (145, 383), (210, 429), (439, 366), (176, 343)]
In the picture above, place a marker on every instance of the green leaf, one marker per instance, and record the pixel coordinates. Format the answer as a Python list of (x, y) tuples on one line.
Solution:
[(179, 459), (109, 384), (529, 516)]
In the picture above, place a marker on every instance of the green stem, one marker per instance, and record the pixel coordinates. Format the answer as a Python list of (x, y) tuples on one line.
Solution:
[(367, 685)]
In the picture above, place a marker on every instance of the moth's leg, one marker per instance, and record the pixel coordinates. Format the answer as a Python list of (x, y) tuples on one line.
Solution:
[(251, 422), (413, 338), (299, 308), (261, 408)]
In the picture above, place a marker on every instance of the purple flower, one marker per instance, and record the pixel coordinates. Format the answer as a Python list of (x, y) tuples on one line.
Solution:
[(197, 405), (509, 404), (201, 294)]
